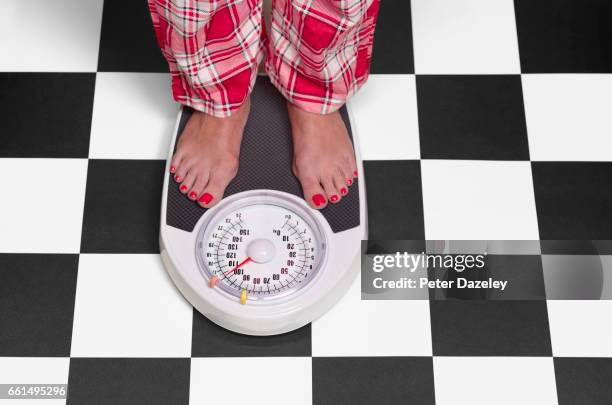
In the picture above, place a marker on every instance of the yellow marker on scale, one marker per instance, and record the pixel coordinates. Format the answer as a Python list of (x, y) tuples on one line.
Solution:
[(243, 297)]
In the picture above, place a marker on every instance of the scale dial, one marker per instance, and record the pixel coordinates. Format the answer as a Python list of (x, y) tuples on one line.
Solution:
[(260, 249)]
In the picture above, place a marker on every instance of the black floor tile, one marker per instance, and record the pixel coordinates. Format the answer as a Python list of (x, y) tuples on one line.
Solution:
[(37, 293), (584, 381), (564, 36), (211, 340), (490, 328), (128, 42), (394, 198), (472, 117), (122, 206), (573, 199), (523, 273), (128, 381), (372, 380), (46, 115), (576, 247), (393, 51)]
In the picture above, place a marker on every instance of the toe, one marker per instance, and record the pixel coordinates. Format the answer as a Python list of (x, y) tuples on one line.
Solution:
[(175, 163), (333, 194), (349, 173), (314, 194), (215, 188), (340, 184), (212, 194), (345, 180), (198, 187), (181, 172), (191, 194), (206, 199), (188, 181), (354, 171), (351, 168)]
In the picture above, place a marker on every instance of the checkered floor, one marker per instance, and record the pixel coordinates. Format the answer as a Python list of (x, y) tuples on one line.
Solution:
[(483, 119)]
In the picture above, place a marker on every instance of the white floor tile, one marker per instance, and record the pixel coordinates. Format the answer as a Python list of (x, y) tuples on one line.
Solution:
[(385, 117), (464, 37), (133, 116), (252, 380), (127, 306), (478, 200), (50, 36), (34, 370), (41, 209), (568, 117), (495, 380), (355, 327), (580, 328)]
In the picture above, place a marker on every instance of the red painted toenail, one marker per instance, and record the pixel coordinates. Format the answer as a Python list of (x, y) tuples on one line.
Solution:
[(172, 169), (318, 199), (349, 181), (192, 195), (206, 198), (343, 191), (183, 187), (333, 198), (177, 178), (355, 173)]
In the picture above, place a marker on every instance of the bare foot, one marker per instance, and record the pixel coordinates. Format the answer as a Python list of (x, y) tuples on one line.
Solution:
[(206, 157), (323, 156)]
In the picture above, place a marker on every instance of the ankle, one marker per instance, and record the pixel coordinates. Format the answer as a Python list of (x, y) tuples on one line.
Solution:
[(237, 114)]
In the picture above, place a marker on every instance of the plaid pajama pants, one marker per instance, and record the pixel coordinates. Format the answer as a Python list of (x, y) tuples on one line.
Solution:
[(317, 52)]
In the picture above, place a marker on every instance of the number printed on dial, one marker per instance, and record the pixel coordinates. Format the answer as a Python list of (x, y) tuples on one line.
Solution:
[(260, 250)]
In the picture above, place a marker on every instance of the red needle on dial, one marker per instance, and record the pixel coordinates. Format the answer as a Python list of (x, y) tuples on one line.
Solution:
[(242, 263)]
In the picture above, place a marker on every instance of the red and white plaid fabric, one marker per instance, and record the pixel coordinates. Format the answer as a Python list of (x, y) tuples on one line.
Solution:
[(318, 52)]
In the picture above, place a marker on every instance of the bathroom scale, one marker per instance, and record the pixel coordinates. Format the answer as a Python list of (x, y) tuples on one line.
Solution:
[(261, 261)]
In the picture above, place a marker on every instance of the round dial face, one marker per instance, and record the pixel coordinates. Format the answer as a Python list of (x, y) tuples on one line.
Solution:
[(260, 250)]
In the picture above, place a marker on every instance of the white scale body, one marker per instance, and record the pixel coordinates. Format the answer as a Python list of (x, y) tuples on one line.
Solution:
[(296, 267)]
